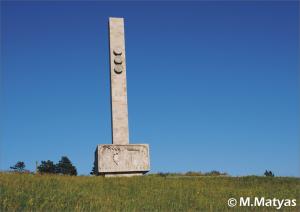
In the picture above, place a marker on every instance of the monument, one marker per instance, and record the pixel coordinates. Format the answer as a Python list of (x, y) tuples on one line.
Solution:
[(120, 158)]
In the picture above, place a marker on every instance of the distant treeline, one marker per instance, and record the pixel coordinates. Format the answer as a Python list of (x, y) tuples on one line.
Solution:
[(193, 173), (199, 173), (64, 167)]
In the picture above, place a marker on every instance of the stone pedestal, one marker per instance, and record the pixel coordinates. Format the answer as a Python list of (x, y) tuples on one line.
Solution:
[(122, 160)]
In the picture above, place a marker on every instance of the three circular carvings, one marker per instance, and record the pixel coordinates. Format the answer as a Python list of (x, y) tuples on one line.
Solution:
[(118, 60)]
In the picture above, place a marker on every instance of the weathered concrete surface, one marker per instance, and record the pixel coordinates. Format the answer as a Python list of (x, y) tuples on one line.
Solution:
[(125, 159), (118, 87), (132, 174)]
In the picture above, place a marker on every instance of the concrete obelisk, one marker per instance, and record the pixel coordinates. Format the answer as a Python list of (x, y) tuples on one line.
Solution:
[(118, 82), (120, 158)]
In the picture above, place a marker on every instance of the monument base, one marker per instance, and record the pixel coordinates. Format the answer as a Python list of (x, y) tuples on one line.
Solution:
[(129, 174), (114, 160)]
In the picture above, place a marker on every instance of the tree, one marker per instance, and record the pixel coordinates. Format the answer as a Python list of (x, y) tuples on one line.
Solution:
[(65, 167), (94, 169), (269, 173), (47, 167), (18, 167)]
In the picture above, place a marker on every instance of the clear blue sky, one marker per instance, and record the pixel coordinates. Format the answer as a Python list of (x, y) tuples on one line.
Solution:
[(211, 86)]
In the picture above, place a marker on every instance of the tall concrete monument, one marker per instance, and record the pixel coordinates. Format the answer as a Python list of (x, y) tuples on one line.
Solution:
[(120, 158)]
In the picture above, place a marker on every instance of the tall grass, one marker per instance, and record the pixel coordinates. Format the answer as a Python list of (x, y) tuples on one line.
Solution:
[(28, 192)]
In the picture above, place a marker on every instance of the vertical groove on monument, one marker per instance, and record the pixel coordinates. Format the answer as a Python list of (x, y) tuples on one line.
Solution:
[(120, 158)]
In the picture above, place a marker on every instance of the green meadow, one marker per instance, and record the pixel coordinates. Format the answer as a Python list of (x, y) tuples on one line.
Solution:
[(29, 192)]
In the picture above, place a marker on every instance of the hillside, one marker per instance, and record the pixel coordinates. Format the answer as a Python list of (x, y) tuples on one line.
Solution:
[(28, 192)]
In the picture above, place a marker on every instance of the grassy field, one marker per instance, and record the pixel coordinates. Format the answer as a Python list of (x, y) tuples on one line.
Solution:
[(28, 192)]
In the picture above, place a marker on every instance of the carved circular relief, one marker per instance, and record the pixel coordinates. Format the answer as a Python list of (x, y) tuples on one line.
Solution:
[(117, 51), (118, 69), (118, 60)]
